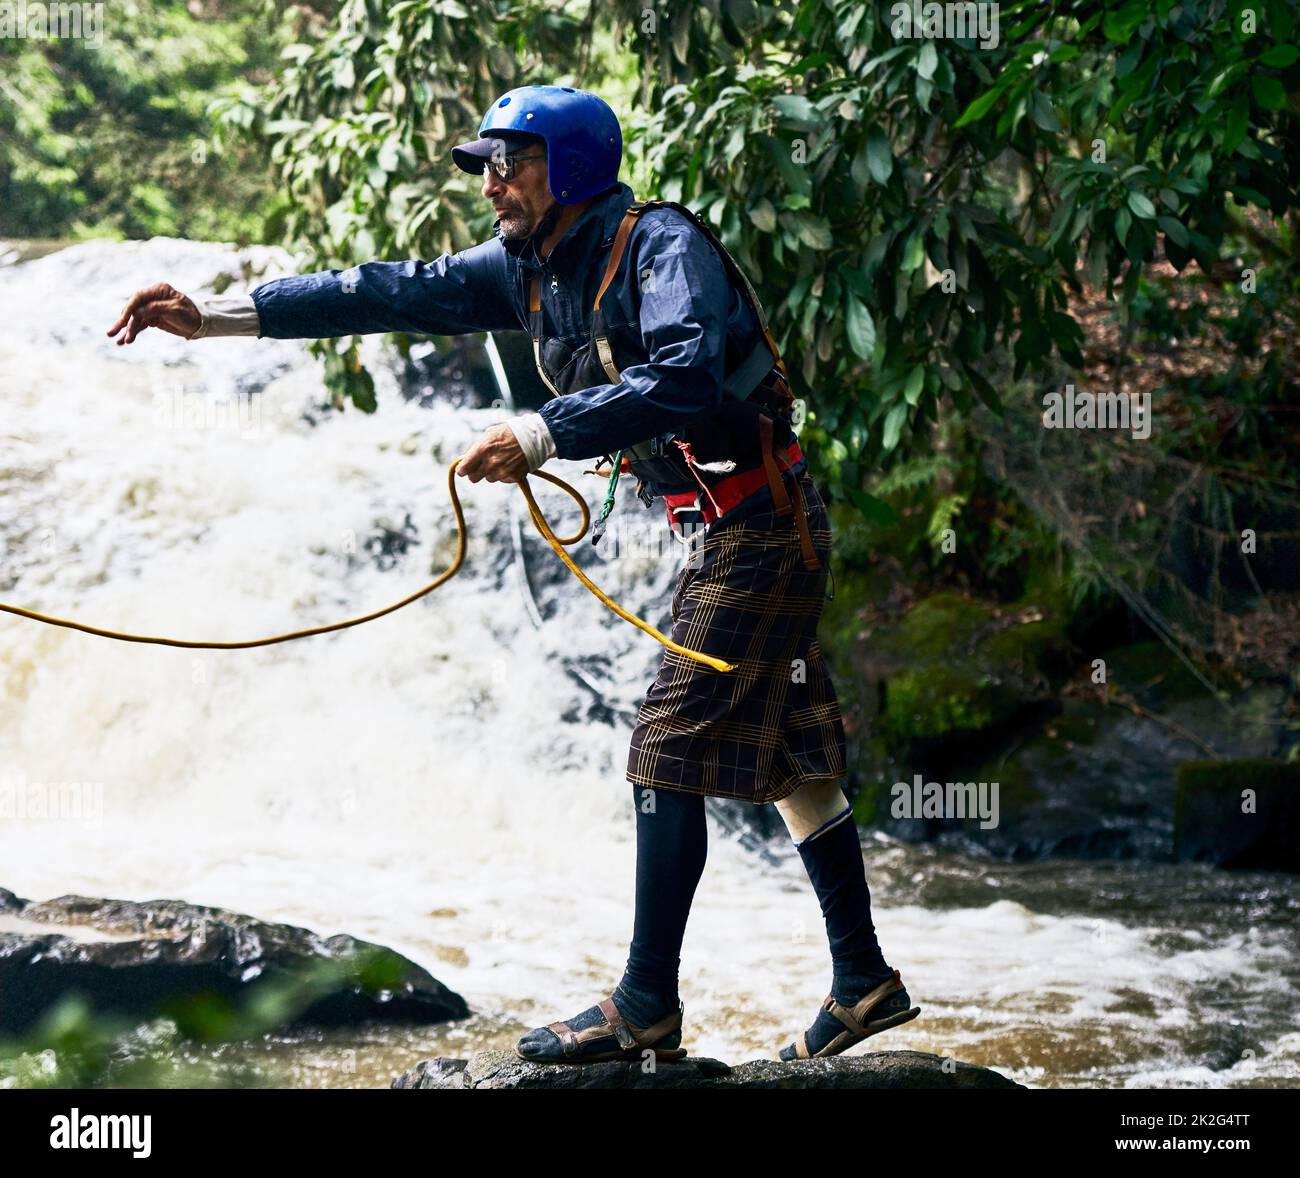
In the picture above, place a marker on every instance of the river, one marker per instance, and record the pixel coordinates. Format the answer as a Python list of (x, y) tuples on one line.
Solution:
[(442, 780)]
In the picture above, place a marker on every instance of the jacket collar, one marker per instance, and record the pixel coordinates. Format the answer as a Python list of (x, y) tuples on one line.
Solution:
[(598, 223)]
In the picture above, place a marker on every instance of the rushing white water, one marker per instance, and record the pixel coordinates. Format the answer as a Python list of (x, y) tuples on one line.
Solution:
[(434, 781)]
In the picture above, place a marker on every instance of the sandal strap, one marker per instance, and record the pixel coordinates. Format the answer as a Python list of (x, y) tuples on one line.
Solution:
[(564, 1033), (670, 1022), (622, 1032), (629, 1036), (852, 1017)]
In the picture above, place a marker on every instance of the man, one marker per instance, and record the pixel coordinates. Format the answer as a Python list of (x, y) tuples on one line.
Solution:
[(701, 409)]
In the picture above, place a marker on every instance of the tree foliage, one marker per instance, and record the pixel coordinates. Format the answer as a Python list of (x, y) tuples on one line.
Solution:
[(914, 207), (359, 125), (908, 206), (111, 136)]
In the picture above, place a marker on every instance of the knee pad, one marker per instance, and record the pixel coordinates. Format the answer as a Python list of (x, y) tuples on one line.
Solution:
[(810, 807)]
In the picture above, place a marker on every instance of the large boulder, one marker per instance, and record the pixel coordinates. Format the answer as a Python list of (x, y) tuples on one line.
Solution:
[(881, 1069), (151, 957)]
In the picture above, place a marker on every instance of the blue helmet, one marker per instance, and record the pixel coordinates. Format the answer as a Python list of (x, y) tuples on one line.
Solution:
[(584, 143)]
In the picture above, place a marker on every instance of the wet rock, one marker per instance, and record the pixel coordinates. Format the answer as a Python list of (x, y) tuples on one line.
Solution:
[(143, 958), (881, 1069), (1243, 814)]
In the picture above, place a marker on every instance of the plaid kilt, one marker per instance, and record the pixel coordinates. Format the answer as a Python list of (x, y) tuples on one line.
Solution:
[(759, 732)]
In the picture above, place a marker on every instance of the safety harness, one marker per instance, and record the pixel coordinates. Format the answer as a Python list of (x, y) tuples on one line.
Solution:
[(762, 372)]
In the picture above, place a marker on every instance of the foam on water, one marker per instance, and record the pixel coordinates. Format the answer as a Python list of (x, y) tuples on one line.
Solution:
[(430, 781)]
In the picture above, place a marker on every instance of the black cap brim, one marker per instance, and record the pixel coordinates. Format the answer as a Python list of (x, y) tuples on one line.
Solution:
[(470, 157)]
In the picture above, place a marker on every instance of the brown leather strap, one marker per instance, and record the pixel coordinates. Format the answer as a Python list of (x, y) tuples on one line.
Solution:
[(603, 347), (622, 1032), (780, 499), (564, 1033), (811, 560), (616, 254), (670, 1022)]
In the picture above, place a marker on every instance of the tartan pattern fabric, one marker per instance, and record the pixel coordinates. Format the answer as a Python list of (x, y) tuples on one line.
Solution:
[(759, 732)]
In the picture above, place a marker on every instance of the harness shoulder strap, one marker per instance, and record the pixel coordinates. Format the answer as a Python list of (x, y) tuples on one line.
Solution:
[(733, 268), (755, 366), (620, 244), (535, 330), (603, 348)]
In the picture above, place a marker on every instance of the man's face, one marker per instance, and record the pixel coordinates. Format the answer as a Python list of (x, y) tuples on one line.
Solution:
[(524, 199)]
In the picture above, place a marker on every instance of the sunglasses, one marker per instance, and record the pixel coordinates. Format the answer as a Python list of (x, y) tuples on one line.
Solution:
[(504, 165)]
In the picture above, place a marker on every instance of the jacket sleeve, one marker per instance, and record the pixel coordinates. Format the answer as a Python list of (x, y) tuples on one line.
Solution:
[(453, 295), (684, 295)]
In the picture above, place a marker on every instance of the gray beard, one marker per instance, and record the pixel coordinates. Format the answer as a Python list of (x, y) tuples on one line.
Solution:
[(515, 227)]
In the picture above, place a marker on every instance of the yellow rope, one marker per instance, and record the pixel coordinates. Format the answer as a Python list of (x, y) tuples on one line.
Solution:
[(539, 521)]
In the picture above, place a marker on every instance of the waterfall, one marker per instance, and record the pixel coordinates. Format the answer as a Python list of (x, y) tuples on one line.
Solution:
[(447, 780)]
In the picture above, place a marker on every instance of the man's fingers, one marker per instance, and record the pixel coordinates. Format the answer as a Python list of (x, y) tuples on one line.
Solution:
[(160, 291), (152, 314), (145, 317), (134, 309)]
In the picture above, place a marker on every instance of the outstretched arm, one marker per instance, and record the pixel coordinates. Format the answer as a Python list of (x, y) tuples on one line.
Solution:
[(452, 295)]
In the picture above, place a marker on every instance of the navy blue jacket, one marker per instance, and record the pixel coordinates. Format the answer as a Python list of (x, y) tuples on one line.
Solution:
[(673, 316)]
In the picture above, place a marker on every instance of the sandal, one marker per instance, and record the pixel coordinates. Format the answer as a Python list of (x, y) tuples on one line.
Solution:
[(631, 1039), (892, 1012)]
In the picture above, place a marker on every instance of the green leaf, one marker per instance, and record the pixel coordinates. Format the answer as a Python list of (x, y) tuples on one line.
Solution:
[(1269, 92), (1279, 56), (913, 252), (1141, 205), (814, 232), (894, 426), (763, 215), (1119, 25), (1249, 194), (927, 60), (880, 159), (1042, 112), (861, 327), (795, 109), (796, 200), (915, 382), (1173, 228), (860, 168), (980, 107), (876, 511), (985, 391), (1235, 124)]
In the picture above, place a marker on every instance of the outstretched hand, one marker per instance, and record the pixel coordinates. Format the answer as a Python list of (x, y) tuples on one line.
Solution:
[(161, 306), (496, 456)]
